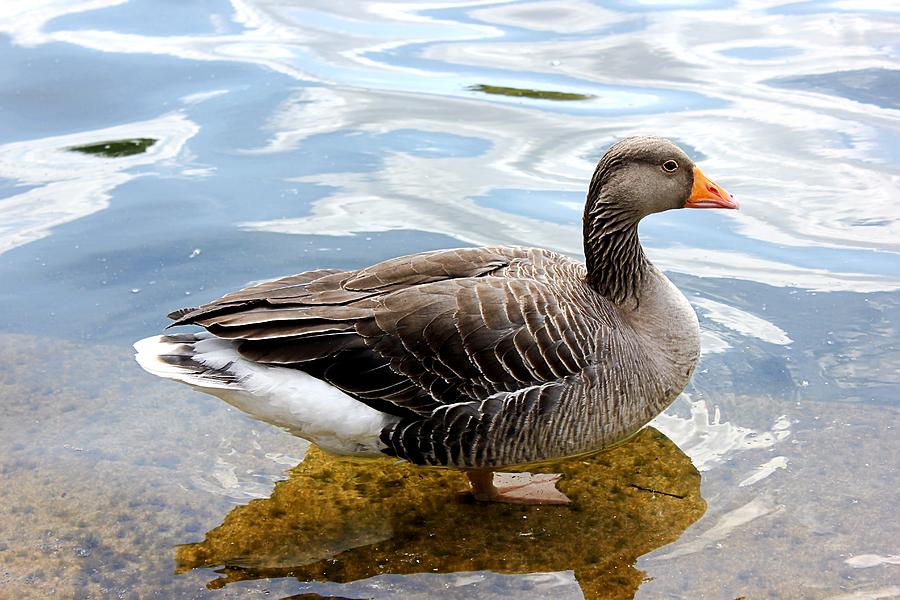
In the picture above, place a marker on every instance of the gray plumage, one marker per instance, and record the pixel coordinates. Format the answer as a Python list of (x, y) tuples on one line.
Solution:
[(492, 357)]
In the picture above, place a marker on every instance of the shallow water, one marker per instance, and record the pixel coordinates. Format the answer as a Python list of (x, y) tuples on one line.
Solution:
[(154, 156)]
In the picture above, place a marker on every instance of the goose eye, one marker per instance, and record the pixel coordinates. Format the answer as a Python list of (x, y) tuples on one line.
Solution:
[(670, 166)]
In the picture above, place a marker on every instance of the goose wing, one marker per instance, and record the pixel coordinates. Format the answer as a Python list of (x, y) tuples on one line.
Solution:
[(412, 334)]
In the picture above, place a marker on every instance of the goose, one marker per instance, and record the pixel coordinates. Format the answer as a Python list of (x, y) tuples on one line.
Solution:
[(479, 359)]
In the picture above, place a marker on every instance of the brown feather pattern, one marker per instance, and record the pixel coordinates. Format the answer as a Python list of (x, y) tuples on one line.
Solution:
[(490, 357)]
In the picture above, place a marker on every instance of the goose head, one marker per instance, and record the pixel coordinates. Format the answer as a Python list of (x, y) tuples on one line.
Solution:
[(637, 176), (643, 175)]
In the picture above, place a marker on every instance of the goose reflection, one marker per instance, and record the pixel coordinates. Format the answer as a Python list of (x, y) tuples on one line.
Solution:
[(339, 522)]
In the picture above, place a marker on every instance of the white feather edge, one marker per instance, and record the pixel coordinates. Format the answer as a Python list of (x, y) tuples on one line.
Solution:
[(288, 398)]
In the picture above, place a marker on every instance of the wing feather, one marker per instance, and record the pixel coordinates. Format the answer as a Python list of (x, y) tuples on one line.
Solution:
[(414, 334)]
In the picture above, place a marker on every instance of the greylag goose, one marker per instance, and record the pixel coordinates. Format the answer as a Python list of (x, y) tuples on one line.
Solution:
[(476, 358)]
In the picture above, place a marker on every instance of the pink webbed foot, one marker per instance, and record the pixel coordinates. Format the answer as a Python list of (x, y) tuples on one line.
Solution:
[(517, 488)]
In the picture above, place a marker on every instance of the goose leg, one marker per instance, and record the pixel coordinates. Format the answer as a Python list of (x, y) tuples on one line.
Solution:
[(516, 488)]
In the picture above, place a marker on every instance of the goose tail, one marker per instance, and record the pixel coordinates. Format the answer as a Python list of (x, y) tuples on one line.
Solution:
[(288, 398), (175, 356)]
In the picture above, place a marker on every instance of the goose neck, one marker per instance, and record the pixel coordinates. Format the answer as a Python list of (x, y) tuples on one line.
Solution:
[(617, 267)]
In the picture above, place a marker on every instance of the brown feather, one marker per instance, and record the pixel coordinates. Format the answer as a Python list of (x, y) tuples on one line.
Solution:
[(493, 356)]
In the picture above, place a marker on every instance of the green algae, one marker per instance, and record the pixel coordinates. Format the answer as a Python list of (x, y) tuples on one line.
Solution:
[(115, 148), (341, 521), (528, 93)]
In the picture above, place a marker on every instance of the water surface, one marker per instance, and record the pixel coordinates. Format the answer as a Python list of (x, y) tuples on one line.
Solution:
[(154, 156)]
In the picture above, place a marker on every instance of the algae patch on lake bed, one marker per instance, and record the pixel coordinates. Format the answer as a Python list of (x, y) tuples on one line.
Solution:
[(342, 521)]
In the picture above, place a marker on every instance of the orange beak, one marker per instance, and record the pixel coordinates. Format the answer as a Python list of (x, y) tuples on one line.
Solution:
[(706, 194)]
